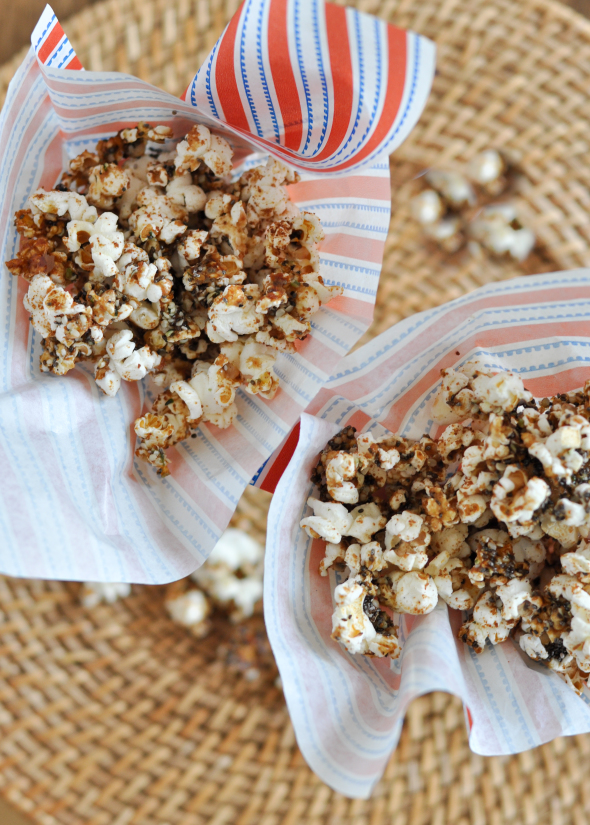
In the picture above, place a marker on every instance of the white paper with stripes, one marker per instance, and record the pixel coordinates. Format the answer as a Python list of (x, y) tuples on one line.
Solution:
[(347, 711), (75, 503)]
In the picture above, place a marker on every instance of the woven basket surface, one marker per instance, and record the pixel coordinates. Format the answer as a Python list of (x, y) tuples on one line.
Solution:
[(117, 716)]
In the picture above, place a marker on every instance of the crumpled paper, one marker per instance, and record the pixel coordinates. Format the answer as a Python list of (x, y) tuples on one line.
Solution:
[(75, 503), (348, 711)]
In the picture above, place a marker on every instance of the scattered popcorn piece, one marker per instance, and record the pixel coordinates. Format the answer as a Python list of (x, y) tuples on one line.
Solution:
[(452, 187), (93, 593), (488, 169), (427, 207), (446, 211), (191, 609), (446, 232), (233, 573), (497, 228)]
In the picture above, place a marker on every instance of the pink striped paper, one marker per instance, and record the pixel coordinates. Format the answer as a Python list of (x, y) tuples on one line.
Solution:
[(74, 501), (347, 711)]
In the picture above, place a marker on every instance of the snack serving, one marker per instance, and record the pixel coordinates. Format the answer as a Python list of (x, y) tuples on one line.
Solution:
[(159, 263), (493, 518)]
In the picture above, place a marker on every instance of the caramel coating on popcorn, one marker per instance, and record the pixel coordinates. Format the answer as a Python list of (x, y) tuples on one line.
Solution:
[(156, 262), (493, 518)]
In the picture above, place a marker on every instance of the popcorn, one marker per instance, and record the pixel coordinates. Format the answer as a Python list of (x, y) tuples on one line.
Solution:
[(233, 573), (234, 313), (339, 472), (106, 183), (216, 392), (191, 609), (488, 170), (512, 595), (353, 628), (105, 244), (578, 563), (183, 192), (256, 366), (51, 307), (414, 592), (447, 233), (493, 519), (136, 275), (558, 453), (499, 231), (124, 361), (515, 499), (427, 207), (452, 187), (189, 247), (533, 647), (329, 521), (161, 264), (158, 216), (61, 204), (93, 593), (487, 623), (265, 192), (472, 389), (447, 214), (366, 520)]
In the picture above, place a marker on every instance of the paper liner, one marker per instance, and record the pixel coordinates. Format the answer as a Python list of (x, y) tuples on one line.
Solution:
[(75, 503), (348, 710)]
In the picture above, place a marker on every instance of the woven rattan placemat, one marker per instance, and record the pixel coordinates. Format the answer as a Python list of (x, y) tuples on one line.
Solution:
[(116, 716)]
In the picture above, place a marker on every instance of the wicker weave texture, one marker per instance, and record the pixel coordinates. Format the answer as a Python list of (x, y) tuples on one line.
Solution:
[(116, 716)]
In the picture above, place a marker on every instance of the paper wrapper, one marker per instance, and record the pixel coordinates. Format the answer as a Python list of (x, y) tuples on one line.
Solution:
[(348, 710), (327, 89)]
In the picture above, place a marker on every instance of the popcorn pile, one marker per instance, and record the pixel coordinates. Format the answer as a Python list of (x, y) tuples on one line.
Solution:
[(449, 215), (157, 262), (493, 518)]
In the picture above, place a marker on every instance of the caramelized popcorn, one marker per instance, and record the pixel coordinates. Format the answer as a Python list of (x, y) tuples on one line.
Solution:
[(355, 627), (157, 263), (493, 519)]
